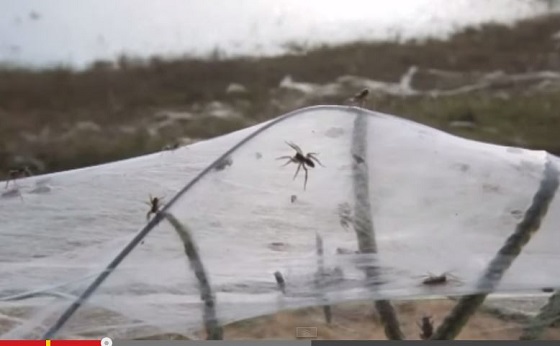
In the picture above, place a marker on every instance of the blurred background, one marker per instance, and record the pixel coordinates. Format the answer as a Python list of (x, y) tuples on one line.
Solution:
[(89, 82)]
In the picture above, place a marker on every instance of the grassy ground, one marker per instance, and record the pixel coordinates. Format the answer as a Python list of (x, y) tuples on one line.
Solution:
[(113, 105)]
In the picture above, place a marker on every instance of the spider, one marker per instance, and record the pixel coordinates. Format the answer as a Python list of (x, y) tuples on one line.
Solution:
[(360, 97), (436, 280), (301, 160), (155, 204), (426, 325), (18, 173)]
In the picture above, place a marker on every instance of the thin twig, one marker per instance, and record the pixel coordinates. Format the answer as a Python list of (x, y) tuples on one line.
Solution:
[(320, 277), (467, 305), (213, 329), (363, 225)]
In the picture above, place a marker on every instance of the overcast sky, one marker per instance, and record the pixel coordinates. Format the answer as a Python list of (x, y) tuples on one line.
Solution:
[(79, 31)]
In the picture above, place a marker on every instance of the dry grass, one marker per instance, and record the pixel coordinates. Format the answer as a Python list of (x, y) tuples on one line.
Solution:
[(47, 103)]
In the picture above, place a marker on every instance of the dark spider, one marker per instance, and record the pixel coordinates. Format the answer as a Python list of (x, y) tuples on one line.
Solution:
[(155, 204), (360, 97), (435, 280), (426, 326), (301, 160)]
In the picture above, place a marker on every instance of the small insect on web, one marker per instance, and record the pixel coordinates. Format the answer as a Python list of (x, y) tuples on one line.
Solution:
[(426, 326), (303, 161), (360, 97), (154, 204)]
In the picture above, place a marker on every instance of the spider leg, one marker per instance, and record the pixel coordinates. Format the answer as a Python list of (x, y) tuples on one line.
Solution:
[(297, 170), (312, 157), (450, 275), (454, 278), (13, 181), (148, 215), (305, 182), (289, 161), (12, 176), (295, 147)]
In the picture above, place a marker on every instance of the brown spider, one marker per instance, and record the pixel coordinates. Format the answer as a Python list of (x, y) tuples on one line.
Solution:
[(436, 280), (17, 173), (301, 160), (426, 326), (360, 97), (155, 204)]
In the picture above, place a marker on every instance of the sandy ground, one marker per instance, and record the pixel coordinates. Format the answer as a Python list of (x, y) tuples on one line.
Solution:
[(359, 322)]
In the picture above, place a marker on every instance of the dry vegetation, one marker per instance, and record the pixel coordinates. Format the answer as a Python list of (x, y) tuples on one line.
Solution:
[(59, 119)]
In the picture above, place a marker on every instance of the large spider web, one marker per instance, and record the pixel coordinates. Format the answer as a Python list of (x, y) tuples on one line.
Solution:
[(437, 203)]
